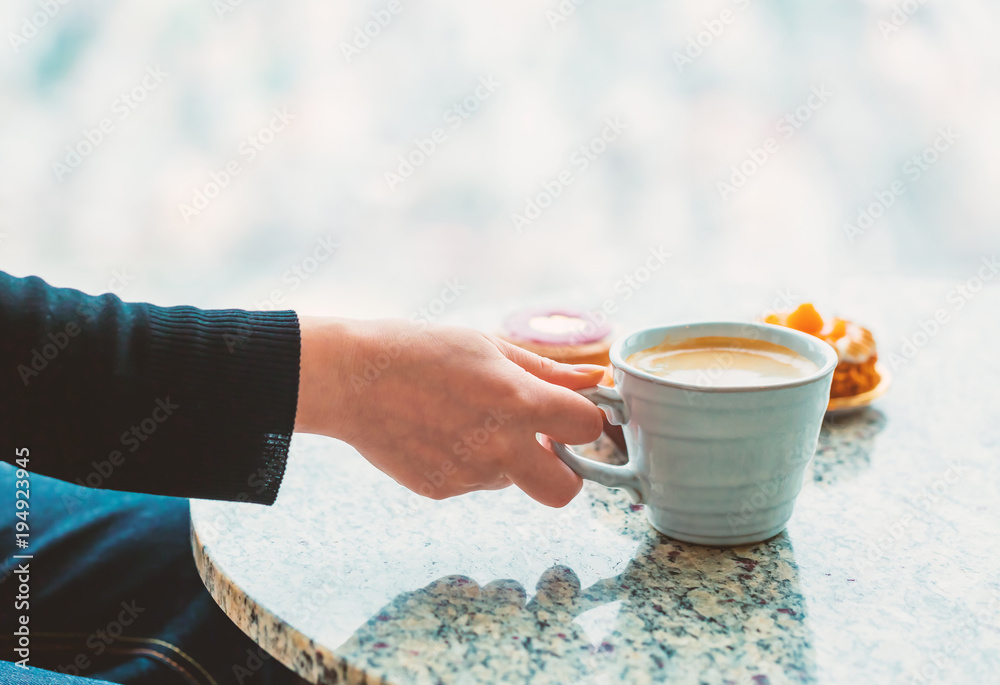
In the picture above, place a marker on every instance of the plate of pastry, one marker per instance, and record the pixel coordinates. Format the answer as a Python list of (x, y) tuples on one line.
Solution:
[(859, 378)]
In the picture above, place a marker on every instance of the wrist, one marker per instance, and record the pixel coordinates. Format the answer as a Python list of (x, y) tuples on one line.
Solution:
[(328, 348)]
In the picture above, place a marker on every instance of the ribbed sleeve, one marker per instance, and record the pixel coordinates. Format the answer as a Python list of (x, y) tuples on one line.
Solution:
[(165, 400)]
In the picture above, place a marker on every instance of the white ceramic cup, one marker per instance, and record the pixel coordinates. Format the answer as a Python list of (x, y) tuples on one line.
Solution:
[(714, 465)]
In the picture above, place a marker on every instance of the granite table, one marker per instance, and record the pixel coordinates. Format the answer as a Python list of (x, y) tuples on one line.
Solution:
[(889, 571)]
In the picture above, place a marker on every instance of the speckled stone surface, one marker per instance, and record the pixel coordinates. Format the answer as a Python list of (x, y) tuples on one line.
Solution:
[(887, 573)]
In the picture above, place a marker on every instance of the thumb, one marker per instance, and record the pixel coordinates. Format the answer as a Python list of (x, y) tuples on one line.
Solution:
[(572, 376)]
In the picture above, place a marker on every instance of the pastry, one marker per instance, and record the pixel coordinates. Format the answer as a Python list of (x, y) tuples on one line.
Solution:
[(856, 353), (565, 335)]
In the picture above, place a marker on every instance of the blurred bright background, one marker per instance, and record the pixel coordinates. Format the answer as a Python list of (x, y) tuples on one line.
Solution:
[(185, 87)]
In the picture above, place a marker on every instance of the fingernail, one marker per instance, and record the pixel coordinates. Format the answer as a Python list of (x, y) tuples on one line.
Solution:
[(587, 369)]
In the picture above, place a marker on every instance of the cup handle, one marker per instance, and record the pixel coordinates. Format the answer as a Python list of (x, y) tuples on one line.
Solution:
[(623, 477)]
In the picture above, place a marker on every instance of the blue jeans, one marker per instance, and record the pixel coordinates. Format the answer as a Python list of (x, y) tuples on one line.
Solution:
[(114, 594)]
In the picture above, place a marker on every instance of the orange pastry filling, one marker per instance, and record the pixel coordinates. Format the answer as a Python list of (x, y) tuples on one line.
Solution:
[(855, 372)]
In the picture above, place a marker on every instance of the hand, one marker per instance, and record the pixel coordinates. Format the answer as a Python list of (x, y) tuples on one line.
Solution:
[(445, 411)]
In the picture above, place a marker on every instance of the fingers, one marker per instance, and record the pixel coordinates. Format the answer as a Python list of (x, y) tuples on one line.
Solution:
[(573, 376), (565, 415), (543, 476)]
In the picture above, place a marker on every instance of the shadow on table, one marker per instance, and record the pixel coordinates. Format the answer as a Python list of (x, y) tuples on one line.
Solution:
[(678, 612), (846, 445)]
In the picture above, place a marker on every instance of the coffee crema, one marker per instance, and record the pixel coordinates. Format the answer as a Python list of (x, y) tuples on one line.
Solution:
[(723, 361)]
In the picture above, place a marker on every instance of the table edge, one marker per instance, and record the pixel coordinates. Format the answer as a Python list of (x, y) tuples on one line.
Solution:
[(320, 665)]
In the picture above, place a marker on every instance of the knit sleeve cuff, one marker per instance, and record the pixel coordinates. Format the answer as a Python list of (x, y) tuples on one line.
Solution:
[(234, 377)]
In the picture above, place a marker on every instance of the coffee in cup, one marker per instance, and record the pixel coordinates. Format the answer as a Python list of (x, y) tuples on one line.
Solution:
[(723, 361)]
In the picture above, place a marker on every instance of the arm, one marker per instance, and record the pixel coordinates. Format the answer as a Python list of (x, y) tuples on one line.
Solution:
[(194, 403), (163, 400)]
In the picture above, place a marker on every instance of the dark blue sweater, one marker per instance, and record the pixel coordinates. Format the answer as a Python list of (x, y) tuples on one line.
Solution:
[(163, 400)]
